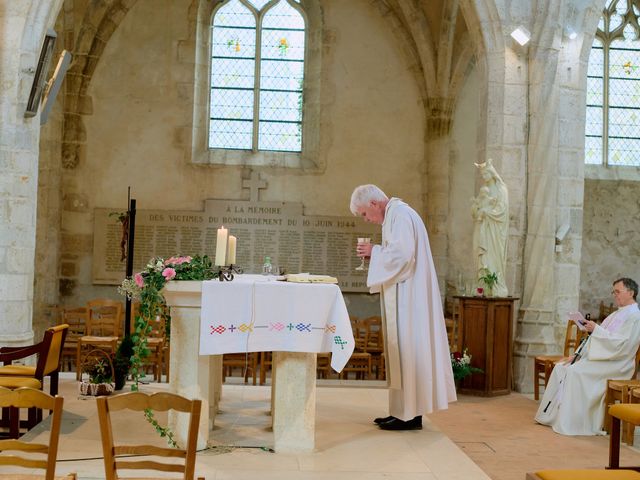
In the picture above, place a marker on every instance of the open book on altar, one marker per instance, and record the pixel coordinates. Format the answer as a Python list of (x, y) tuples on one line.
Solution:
[(308, 278), (579, 320)]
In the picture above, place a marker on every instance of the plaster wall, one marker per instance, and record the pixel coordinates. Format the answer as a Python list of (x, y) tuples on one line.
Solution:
[(372, 128), (611, 239)]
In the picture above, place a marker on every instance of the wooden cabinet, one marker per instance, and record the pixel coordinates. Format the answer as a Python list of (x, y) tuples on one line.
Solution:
[(487, 332)]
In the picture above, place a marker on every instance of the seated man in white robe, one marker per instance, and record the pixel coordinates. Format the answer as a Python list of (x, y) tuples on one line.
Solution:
[(573, 402)]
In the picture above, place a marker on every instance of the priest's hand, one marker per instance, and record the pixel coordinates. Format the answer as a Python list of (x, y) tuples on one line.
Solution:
[(565, 360), (364, 250), (590, 325)]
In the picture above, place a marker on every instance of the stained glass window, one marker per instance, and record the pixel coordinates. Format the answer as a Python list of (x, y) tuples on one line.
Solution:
[(613, 88), (257, 76)]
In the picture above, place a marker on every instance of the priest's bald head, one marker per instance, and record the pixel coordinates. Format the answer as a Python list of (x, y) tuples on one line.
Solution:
[(369, 202)]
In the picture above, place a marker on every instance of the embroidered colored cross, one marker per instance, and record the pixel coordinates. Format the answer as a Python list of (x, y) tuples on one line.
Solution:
[(338, 341), (291, 326), (302, 327), (330, 328), (219, 329), (244, 327), (232, 328), (277, 326)]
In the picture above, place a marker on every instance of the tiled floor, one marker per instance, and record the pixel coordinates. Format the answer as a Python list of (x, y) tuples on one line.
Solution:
[(500, 436), (348, 445)]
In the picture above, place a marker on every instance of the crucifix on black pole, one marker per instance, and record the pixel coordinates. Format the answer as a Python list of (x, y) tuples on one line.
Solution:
[(131, 224)]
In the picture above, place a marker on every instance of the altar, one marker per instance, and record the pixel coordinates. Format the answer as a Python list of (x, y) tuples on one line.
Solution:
[(250, 314)]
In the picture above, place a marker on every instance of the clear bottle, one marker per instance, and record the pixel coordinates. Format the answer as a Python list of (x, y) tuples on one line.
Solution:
[(267, 268)]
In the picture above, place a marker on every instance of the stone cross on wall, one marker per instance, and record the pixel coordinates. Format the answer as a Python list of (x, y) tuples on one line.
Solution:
[(254, 184)]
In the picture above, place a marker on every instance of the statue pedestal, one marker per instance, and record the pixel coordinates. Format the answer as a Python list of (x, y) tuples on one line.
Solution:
[(293, 396), (487, 330)]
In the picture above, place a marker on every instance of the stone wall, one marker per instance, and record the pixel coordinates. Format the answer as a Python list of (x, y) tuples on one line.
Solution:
[(611, 239), (371, 132)]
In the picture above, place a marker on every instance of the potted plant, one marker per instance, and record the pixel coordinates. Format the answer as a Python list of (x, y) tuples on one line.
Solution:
[(490, 279), (461, 366), (98, 367)]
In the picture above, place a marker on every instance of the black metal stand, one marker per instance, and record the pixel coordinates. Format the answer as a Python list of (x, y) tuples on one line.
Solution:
[(129, 270), (225, 274)]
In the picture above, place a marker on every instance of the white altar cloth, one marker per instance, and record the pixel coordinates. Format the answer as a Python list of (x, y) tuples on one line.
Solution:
[(255, 313)]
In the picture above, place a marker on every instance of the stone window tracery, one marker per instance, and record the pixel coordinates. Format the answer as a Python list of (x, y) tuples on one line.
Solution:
[(612, 136), (258, 50)]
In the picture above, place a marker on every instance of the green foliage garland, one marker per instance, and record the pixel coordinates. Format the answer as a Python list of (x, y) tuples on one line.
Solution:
[(146, 286)]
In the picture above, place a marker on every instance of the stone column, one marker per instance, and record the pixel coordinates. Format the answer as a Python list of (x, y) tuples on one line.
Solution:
[(555, 191), (293, 404), (439, 117), (22, 27)]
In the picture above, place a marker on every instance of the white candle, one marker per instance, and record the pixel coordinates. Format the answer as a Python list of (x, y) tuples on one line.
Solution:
[(231, 250), (221, 246)]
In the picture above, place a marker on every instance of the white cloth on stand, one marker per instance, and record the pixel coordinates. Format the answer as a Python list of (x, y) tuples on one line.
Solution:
[(573, 401), (254, 313), (402, 270)]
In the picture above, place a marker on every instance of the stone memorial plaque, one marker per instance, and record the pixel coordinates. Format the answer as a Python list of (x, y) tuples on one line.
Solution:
[(322, 245)]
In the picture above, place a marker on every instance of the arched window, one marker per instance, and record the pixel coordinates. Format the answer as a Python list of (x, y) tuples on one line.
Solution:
[(613, 88), (257, 76)]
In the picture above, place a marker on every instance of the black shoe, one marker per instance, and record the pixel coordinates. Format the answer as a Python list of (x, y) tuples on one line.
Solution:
[(397, 424), (381, 420)]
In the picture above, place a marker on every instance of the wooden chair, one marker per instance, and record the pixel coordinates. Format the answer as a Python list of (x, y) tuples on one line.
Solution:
[(360, 330), (76, 318), (115, 456), (630, 413), (32, 398), (360, 364), (49, 353), (375, 345), (604, 311), (156, 343), (543, 364), (323, 365), (248, 362), (266, 360), (104, 328), (634, 397), (619, 391), (621, 412), (10, 419), (454, 329), (591, 474), (360, 361)]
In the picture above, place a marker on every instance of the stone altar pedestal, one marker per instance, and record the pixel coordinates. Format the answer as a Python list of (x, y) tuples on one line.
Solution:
[(191, 375), (293, 399)]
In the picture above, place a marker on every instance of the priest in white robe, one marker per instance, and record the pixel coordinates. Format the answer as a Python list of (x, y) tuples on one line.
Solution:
[(574, 400), (402, 270)]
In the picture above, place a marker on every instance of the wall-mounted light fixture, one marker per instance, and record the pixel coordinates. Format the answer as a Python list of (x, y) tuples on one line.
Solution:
[(521, 35)]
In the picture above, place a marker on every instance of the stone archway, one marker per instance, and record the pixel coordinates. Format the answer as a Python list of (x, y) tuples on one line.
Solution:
[(100, 21)]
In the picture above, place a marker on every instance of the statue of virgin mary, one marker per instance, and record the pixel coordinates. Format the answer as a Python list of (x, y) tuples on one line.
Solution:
[(490, 211)]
